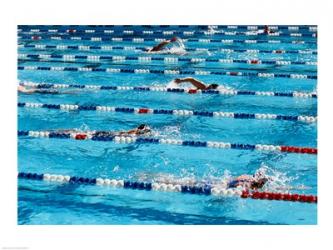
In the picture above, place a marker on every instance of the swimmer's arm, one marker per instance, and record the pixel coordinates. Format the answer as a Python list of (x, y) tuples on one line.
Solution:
[(130, 132), (244, 178), (160, 46), (194, 82)]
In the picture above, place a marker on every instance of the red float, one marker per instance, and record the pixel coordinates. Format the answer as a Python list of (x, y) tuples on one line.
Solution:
[(80, 137), (143, 111), (245, 194), (287, 197), (279, 196), (298, 150), (254, 61), (294, 197)]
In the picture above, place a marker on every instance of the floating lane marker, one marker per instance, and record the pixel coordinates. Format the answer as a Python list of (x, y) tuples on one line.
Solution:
[(109, 136), (170, 72), (166, 60), (203, 189), (210, 33), (143, 40), (228, 92), (140, 49), (216, 114)]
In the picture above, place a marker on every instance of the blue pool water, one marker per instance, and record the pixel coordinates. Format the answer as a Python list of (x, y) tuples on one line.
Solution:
[(47, 203)]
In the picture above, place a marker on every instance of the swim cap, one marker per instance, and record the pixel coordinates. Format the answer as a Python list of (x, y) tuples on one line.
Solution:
[(173, 39), (142, 126), (213, 86)]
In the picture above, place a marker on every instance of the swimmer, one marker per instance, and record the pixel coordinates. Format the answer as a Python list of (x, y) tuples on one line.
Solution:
[(142, 129), (254, 182), (264, 31), (259, 181), (267, 30), (196, 83), (161, 46), (33, 90), (213, 29)]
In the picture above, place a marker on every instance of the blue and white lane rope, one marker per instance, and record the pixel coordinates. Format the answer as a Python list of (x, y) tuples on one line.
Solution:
[(140, 49), (176, 112), (165, 59), (294, 28), (199, 189), (205, 189), (227, 92), (158, 40), (169, 72), (168, 33), (107, 136)]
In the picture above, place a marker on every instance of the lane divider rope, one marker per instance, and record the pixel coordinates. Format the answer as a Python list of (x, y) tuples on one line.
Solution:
[(228, 92), (135, 48), (108, 136), (143, 40), (166, 60), (216, 114), (169, 33), (203, 189), (169, 72), (231, 27)]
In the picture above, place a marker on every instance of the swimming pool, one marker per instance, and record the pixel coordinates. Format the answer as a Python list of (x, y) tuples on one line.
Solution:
[(115, 85)]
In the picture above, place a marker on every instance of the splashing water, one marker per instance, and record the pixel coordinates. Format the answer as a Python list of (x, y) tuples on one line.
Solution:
[(212, 29), (172, 85), (277, 181), (177, 51), (116, 168), (177, 47), (84, 127), (167, 132)]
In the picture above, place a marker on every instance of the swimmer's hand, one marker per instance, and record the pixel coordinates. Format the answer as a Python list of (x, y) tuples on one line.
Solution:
[(174, 39)]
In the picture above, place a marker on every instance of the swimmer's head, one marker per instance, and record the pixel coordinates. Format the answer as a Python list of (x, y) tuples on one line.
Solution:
[(173, 39), (212, 86), (143, 129), (177, 80), (259, 183)]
